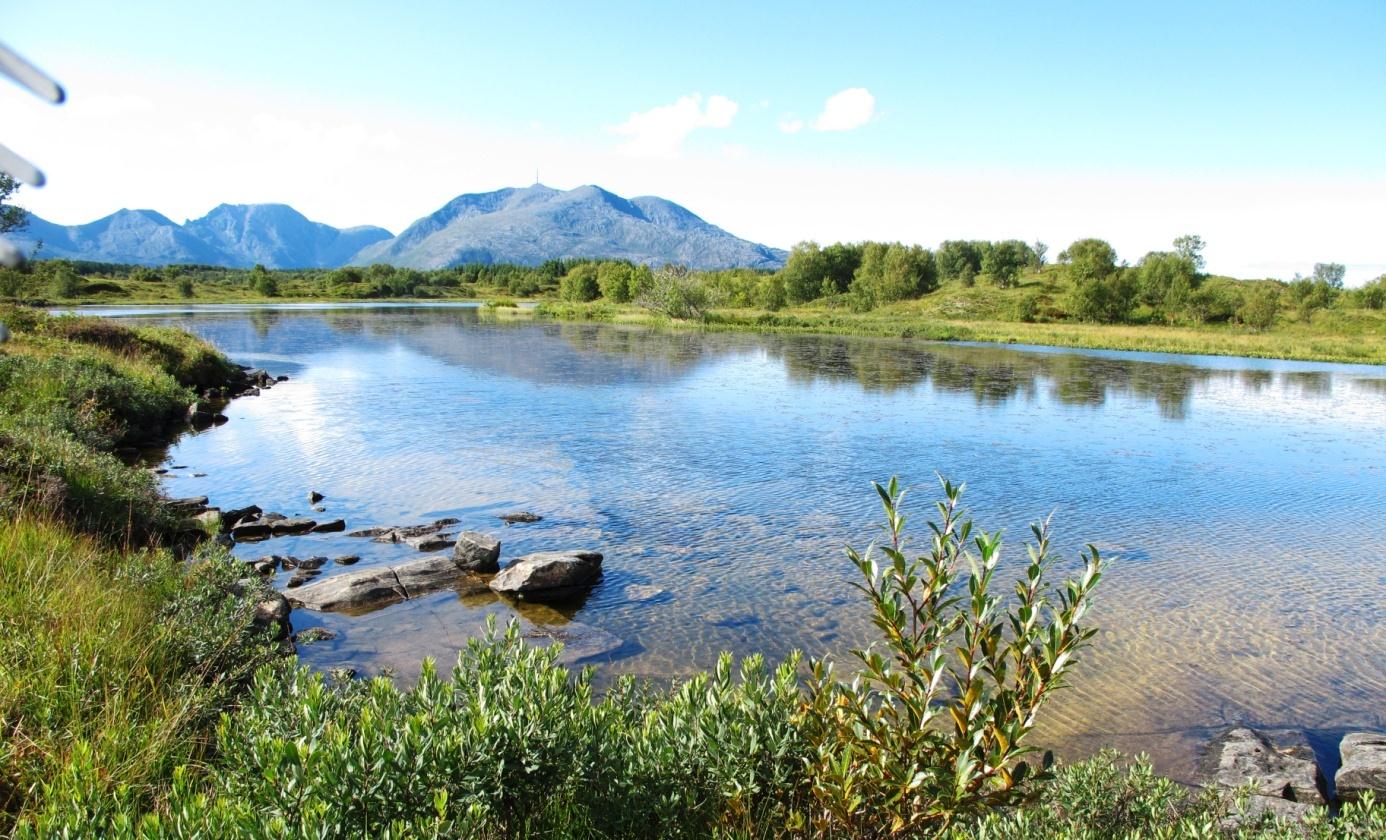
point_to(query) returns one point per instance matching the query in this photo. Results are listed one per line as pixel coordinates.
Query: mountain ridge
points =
(523, 225)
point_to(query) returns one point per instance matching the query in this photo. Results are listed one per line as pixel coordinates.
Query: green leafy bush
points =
(935, 727)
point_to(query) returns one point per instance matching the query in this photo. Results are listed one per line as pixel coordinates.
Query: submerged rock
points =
(519, 517)
(549, 575)
(347, 559)
(314, 497)
(1364, 766)
(427, 574)
(314, 634)
(476, 552)
(430, 542)
(329, 526)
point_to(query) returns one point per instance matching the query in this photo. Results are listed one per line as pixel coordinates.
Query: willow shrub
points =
(935, 725)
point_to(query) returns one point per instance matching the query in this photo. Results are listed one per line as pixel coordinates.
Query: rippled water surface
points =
(1246, 499)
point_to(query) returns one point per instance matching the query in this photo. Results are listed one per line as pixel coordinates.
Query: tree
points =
(185, 286)
(12, 216)
(1164, 281)
(958, 260)
(1190, 248)
(1330, 273)
(65, 282)
(1039, 249)
(1101, 292)
(1373, 295)
(579, 285)
(892, 272)
(614, 281)
(1259, 307)
(803, 272)
(841, 261)
(1089, 259)
(1003, 261)
(263, 282)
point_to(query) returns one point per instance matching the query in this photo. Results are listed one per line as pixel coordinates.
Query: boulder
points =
(1242, 756)
(427, 574)
(272, 516)
(285, 527)
(347, 559)
(314, 497)
(1364, 766)
(476, 552)
(377, 531)
(312, 563)
(329, 526)
(404, 533)
(357, 589)
(250, 531)
(231, 517)
(209, 519)
(190, 506)
(519, 517)
(549, 575)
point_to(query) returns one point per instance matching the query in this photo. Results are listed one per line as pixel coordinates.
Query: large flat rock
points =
(1242, 756)
(1364, 766)
(549, 575)
(354, 590)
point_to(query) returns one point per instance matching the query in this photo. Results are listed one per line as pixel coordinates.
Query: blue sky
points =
(1261, 126)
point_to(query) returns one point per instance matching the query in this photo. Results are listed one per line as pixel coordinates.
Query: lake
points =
(1245, 499)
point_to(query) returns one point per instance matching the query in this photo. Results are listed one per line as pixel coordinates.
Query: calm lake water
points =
(1245, 499)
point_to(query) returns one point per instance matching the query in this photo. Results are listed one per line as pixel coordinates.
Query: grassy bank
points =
(128, 706)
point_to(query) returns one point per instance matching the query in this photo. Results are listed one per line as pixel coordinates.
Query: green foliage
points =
(1259, 306)
(580, 285)
(185, 287)
(890, 273)
(263, 282)
(934, 728)
(959, 260)
(1003, 261)
(1215, 302)
(1165, 280)
(1330, 274)
(12, 216)
(616, 281)
(841, 261)
(804, 272)
(1189, 248)
(63, 281)
(676, 292)
(1373, 294)
(1089, 259)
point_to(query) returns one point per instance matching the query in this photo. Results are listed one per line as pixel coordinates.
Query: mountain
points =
(537, 223)
(525, 226)
(233, 235)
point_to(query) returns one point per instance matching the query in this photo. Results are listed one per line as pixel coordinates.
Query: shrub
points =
(1373, 295)
(675, 292)
(935, 727)
(580, 284)
(614, 280)
(1259, 307)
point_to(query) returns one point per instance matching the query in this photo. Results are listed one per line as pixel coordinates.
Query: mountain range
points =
(524, 226)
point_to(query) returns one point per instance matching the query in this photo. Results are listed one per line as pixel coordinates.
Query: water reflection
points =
(727, 471)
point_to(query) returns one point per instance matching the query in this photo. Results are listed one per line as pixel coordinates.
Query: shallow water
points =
(1245, 499)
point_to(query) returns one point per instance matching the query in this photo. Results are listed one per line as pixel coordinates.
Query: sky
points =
(1260, 126)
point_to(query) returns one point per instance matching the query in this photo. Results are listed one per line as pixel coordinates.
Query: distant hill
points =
(524, 226)
(233, 235)
(533, 224)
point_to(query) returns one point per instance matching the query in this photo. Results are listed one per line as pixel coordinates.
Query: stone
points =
(273, 609)
(209, 519)
(250, 531)
(319, 509)
(1242, 756)
(288, 527)
(264, 567)
(189, 506)
(427, 574)
(519, 517)
(1363, 767)
(404, 533)
(231, 517)
(356, 589)
(314, 497)
(287, 563)
(329, 526)
(347, 560)
(312, 563)
(376, 531)
(272, 516)
(476, 552)
(431, 542)
(640, 593)
(549, 575)
(314, 634)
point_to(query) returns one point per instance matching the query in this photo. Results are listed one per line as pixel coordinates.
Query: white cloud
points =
(791, 124)
(734, 151)
(846, 110)
(660, 132)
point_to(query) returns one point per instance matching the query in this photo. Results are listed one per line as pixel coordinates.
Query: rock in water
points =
(245, 531)
(519, 517)
(427, 574)
(476, 552)
(285, 527)
(353, 590)
(329, 526)
(1242, 756)
(430, 542)
(549, 575)
(1364, 766)
(314, 497)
